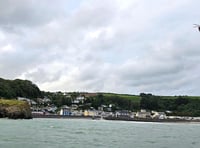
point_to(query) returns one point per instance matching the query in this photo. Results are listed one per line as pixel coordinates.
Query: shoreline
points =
(117, 119)
(65, 117)
(152, 120)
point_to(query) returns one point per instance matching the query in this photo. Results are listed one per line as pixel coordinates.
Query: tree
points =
(149, 101)
(18, 88)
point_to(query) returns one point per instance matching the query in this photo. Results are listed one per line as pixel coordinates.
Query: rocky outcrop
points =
(14, 109)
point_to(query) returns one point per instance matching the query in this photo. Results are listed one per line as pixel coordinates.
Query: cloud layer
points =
(118, 46)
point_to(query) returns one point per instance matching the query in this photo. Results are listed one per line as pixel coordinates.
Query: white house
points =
(158, 115)
(79, 99)
(143, 114)
(74, 107)
(77, 113)
(122, 113)
(65, 110)
(30, 102)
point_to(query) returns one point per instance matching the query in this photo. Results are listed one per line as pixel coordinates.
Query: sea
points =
(86, 133)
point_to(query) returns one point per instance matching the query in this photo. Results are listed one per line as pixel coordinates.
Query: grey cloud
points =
(102, 45)
(27, 13)
(166, 69)
(41, 76)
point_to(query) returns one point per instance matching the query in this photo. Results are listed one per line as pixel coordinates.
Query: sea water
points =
(84, 133)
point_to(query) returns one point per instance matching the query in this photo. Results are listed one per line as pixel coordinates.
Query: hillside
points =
(177, 105)
(18, 88)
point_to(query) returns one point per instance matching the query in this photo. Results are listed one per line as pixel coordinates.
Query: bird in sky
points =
(197, 26)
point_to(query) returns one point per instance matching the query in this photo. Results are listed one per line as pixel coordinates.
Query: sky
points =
(119, 46)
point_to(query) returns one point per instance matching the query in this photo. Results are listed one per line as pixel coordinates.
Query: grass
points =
(11, 102)
(137, 98)
(175, 97)
(134, 98)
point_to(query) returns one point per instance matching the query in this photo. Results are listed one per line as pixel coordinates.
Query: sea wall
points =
(14, 109)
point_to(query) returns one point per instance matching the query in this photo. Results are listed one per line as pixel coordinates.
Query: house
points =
(106, 114)
(79, 99)
(46, 100)
(102, 107)
(77, 113)
(74, 107)
(122, 113)
(105, 108)
(43, 101)
(90, 113)
(30, 102)
(143, 110)
(132, 114)
(158, 115)
(52, 109)
(143, 114)
(65, 110)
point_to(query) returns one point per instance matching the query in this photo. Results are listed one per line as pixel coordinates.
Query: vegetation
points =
(179, 105)
(14, 109)
(123, 101)
(11, 102)
(58, 98)
(18, 88)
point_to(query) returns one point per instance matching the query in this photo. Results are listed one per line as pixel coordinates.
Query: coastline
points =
(152, 120)
(65, 117)
(117, 119)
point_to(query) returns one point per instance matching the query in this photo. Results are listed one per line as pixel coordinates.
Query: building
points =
(77, 113)
(44, 100)
(30, 102)
(122, 113)
(65, 110)
(90, 113)
(143, 114)
(79, 99)
(158, 115)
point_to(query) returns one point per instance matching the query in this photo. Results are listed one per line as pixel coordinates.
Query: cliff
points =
(14, 109)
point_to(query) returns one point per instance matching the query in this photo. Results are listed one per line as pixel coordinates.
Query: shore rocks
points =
(14, 109)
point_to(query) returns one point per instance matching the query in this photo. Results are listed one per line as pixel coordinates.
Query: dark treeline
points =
(117, 102)
(179, 105)
(11, 89)
(58, 98)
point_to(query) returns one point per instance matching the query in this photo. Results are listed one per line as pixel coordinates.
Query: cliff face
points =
(14, 109)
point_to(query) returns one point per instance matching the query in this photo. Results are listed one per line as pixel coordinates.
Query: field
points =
(11, 102)
(134, 98)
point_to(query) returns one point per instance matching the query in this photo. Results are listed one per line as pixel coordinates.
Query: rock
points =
(14, 109)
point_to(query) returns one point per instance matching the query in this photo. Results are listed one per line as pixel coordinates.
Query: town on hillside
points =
(93, 105)
(85, 104)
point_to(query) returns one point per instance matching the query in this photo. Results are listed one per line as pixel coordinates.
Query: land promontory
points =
(14, 109)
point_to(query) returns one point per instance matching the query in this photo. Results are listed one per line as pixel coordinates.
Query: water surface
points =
(82, 133)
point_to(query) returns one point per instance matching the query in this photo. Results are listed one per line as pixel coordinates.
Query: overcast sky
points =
(121, 46)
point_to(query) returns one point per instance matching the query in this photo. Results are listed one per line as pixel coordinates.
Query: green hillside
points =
(18, 88)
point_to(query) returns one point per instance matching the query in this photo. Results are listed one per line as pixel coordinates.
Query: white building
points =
(65, 110)
(143, 114)
(30, 102)
(158, 115)
(79, 99)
